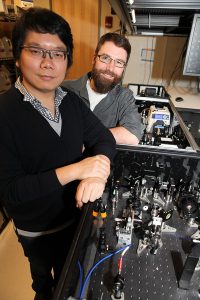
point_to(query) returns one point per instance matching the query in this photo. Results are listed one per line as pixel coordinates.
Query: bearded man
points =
(101, 89)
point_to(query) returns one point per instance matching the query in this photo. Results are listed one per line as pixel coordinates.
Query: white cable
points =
(125, 250)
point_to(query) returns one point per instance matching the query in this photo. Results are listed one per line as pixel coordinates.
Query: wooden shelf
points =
(6, 29)
(6, 58)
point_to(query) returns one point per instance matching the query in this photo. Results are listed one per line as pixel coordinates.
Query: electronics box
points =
(152, 207)
(191, 119)
(162, 125)
(141, 240)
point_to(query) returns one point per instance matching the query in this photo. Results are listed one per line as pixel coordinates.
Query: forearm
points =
(96, 166)
(92, 173)
(124, 136)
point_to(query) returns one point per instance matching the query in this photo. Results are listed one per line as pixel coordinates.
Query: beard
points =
(104, 85)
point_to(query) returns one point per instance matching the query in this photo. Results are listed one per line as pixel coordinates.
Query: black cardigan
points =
(30, 150)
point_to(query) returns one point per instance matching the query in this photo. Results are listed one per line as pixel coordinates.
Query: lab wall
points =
(42, 3)
(156, 60)
(84, 19)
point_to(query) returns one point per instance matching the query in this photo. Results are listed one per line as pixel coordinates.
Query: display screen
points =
(160, 117)
(192, 60)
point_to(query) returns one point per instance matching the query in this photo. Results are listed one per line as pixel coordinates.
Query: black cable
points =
(198, 84)
(181, 57)
(145, 66)
(150, 66)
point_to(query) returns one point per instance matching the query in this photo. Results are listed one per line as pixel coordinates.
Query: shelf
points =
(6, 58)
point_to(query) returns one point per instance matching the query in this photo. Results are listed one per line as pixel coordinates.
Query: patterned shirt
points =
(59, 95)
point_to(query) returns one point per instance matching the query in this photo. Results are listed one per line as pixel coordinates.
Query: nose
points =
(111, 65)
(46, 61)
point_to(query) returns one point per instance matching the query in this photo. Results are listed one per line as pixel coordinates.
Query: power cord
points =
(82, 290)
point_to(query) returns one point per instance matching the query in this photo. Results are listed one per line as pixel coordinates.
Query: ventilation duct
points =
(169, 17)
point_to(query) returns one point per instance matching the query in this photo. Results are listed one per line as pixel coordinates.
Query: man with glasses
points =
(44, 178)
(100, 89)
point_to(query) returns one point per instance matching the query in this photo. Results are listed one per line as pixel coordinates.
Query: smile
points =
(109, 76)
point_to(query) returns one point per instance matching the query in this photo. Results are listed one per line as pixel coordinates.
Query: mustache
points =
(108, 73)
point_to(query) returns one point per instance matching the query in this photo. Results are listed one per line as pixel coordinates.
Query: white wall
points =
(157, 61)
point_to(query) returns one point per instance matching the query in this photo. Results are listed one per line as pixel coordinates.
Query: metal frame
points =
(193, 48)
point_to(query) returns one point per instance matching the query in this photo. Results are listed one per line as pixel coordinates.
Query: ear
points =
(17, 63)
(94, 59)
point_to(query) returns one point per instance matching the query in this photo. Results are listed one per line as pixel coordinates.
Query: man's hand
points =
(95, 166)
(89, 189)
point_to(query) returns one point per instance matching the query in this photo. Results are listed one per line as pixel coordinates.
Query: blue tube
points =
(95, 266)
(80, 277)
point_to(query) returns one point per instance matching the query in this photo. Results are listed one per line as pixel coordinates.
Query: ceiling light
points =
(133, 16)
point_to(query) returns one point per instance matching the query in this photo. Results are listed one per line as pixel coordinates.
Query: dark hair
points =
(41, 20)
(117, 39)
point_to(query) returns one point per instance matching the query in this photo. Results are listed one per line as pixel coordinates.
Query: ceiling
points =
(157, 17)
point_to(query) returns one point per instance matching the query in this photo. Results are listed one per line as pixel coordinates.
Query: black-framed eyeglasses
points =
(57, 55)
(106, 59)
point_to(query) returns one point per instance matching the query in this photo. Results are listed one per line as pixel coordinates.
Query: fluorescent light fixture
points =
(133, 15)
(151, 33)
(131, 2)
